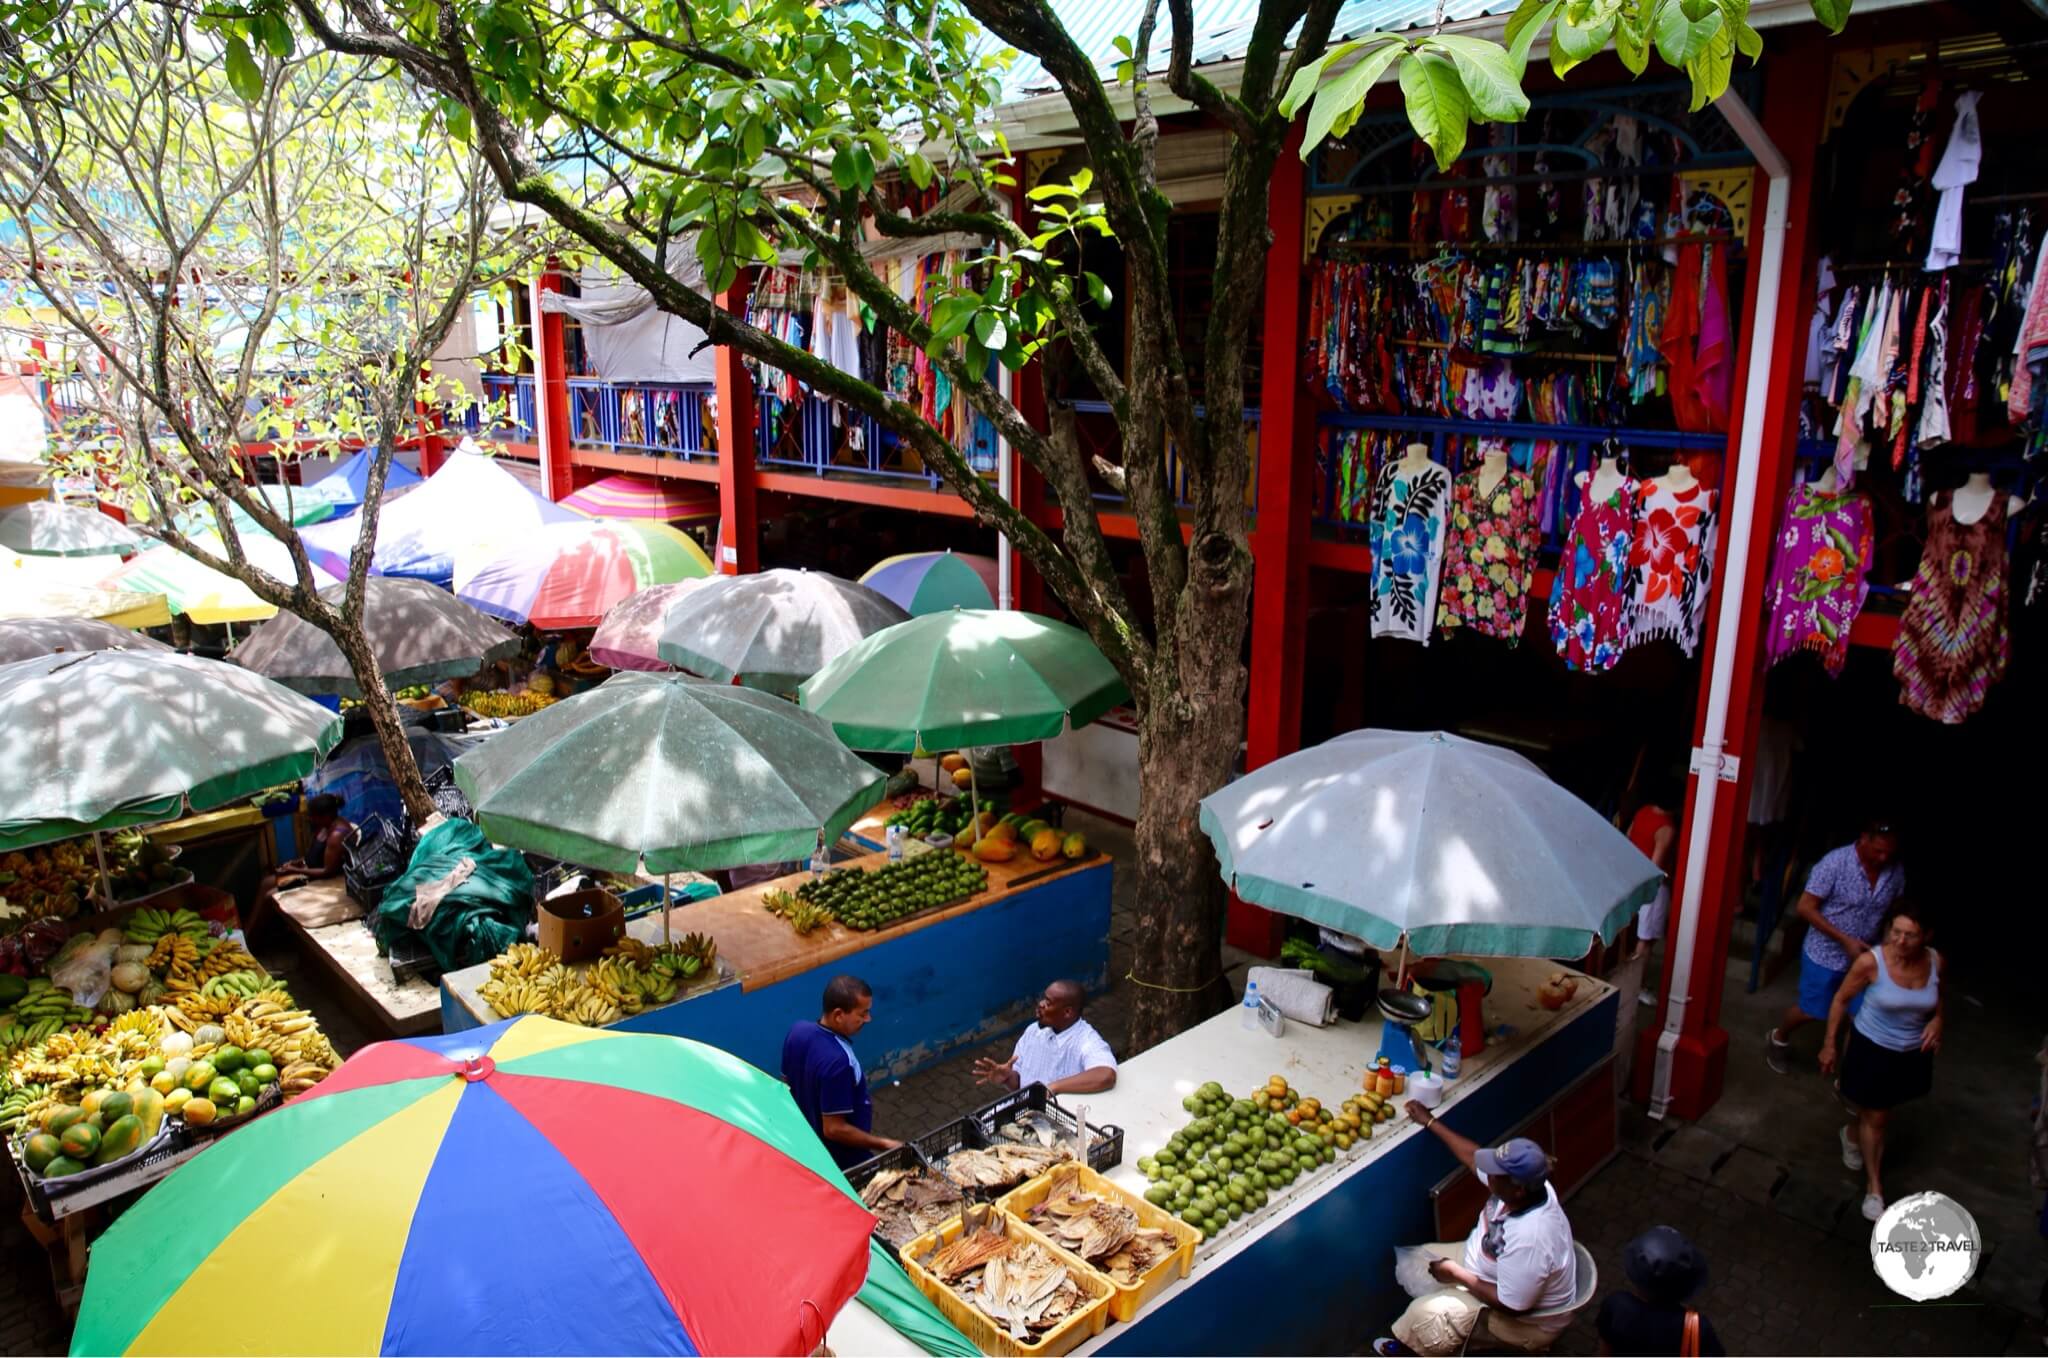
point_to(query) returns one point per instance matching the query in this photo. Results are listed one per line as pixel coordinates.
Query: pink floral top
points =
(1589, 605)
(1489, 555)
(1817, 580)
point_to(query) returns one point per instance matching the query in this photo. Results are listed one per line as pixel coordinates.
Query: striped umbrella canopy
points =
(643, 497)
(27, 638)
(47, 528)
(569, 574)
(204, 594)
(65, 587)
(932, 582)
(629, 638)
(474, 1193)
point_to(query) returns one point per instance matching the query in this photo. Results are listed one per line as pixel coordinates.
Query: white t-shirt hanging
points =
(1407, 535)
(1958, 169)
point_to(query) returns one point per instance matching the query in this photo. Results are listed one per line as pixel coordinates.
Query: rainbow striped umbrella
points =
(528, 1187)
(641, 497)
(569, 574)
(932, 582)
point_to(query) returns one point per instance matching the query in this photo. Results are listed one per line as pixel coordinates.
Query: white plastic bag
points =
(86, 973)
(1411, 1269)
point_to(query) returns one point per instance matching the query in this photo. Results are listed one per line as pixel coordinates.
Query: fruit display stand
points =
(328, 927)
(1318, 1254)
(942, 980)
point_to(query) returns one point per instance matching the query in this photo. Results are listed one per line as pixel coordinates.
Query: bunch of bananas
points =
(506, 704)
(14, 1109)
(76, 1058)
(524, 960)
(630, 977)
(689, 957)
(239, 984)
(634, 951)
(803, 915)
(148, 924)
(190, 1011)
(42, 1010)
(224, 958)
(176, 959)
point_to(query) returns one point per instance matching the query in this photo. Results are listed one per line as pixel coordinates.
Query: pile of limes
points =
(871, 899)
(1225, 1162)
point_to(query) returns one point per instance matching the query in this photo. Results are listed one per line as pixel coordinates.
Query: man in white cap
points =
(1515, 1271)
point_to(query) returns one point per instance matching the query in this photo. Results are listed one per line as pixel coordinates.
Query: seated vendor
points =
(328, 840)
(826, 1079)
(1518, 1267)
(1062, 1051)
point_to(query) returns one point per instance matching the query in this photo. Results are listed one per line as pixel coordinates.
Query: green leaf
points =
(845, 169)
(1045, 193)
(753, 140)
(1570, 44)
(1833, 14)
(1682, 39)
(457, 118)
(919, 169)
(1493, 85)
(1748, 41)
(955, 325)
(1084, 179)
(719, 271)
(1437, 108)
(1121, 44)
(1711, 69)
(1304, 82)
(1346, 94)
(275, 33)
(1523, 29)
(1632, 47)
(1098, 290)
(989, 330)
(243, 76)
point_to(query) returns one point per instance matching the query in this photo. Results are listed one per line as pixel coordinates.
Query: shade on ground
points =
(204, 594)
(567, 575)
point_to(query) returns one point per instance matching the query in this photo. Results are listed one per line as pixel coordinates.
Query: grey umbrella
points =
(48, 528)
(420, 633)
(27, 638)
(773, 630)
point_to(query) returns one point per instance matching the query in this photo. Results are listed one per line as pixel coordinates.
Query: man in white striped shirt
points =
(1062, 1050)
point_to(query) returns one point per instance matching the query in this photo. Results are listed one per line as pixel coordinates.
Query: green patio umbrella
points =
(666, 773)
(105, 739)
(48, 528)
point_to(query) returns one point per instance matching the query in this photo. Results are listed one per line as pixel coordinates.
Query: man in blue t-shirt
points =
(825, 1076)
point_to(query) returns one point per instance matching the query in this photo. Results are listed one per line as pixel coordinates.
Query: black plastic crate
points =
(1106, 1142)
(904, 1156)
(957, 1135)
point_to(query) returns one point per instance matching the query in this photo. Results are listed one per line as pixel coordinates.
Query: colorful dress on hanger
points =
(1953, 644)
(1818, 582)
(1407, 535)
(1671, 564)
(1588, 604)
(1489, 554)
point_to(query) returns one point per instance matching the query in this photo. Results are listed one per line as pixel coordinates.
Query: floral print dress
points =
(1407, 535)
(1953, 643)
(1489, 554)
(1671, 564)
(1818, 582)
(1589, 604)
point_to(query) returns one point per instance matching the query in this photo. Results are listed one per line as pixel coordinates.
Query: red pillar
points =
(1280, 539)
(739, 529)
(431, 430)
(1793, 112)
(551, 394)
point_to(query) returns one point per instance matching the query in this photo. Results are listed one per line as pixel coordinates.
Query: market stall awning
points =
(1460, 847)
(468, 1194)
(774, 629)
(106, 739)
(419, 632)
(566, 575)
(629, 638)
(67, 587)
(349, 482)
(27, 638)
(49, 528)
(642, 497)
(204, 594)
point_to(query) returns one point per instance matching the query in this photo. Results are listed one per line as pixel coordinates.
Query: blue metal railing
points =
(1455, 442)
(1109, 445)
(660, 419)
(804, 436)
(497, 387)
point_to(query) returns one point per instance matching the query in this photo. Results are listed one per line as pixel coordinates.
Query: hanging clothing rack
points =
(1590, 247)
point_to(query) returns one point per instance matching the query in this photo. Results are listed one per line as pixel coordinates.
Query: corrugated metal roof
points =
(1222, 30)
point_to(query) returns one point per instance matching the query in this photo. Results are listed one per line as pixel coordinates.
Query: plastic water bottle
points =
(820, 858)
(1454, 1057)
(895, 841)
(1248, 1012)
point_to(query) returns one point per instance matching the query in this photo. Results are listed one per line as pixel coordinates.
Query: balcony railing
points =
(825, 439)
(660, 419)
(498, 387)
(1098, 435)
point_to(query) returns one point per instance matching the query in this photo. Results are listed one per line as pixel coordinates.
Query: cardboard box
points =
(581, 924)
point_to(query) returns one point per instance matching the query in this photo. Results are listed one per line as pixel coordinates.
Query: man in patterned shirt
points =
(1846, 897)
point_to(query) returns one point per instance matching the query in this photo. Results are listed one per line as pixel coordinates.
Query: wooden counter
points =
(331, 933)
(948, 978)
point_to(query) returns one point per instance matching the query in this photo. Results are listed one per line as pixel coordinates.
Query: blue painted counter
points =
(957, 977)
(1312, 1272)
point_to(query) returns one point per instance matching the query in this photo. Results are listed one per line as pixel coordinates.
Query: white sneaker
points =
(1852, 1154)
(1873, 1206)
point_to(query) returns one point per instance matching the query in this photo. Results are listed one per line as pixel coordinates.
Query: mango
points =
(1074, 847)
(989, 849)
(963, 779)
(1045, 845)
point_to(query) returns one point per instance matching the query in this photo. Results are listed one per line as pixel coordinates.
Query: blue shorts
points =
(1817, 987)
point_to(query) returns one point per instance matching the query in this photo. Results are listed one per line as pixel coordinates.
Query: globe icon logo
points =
(1925, 1247)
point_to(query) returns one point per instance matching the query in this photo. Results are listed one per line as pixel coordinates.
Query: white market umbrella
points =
(1448, 844)
(49, 528)
(772, 630)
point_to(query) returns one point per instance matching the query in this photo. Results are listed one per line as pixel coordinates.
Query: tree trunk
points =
(383, 710)
(1185, 752)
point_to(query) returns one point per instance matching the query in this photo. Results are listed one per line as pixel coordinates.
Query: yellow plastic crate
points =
(1125, 1302)
(982, 1331)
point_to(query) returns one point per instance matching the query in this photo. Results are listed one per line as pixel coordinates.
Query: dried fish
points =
(966, 1254)
(1100, 1229)
(1030, 1127)
(910, 1202)
(1001, 1166)
(1026, 1289)
(1139, 1256)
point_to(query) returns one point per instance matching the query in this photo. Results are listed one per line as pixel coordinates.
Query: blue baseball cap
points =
(1519, 1158)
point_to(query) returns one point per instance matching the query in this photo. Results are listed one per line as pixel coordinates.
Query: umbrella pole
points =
(666, 906)
(99, 852)
(974, 796)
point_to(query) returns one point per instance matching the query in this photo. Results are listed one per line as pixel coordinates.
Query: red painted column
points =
(739, 528)
(1280, 540)
(551, 394)
(1792, 113)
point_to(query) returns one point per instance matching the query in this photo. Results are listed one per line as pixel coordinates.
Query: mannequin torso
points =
(1973, 499)
(1603, 480)
(1493, 469)
(1414, 460)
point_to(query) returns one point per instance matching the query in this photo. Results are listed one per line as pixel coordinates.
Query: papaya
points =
(62, 1166)
(963, 779)
(123, 1137)
(61, 1117)
(39, 1150)
(1074, 847)
(1045, 845)
(149, 1106)
(953, 763)
(1027, 831)
(989, 849)
(116, 1106)
(91, 1102)
(1004, 831)
(80, 1141)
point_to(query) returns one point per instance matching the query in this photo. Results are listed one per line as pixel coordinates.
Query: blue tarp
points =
(344, 486)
